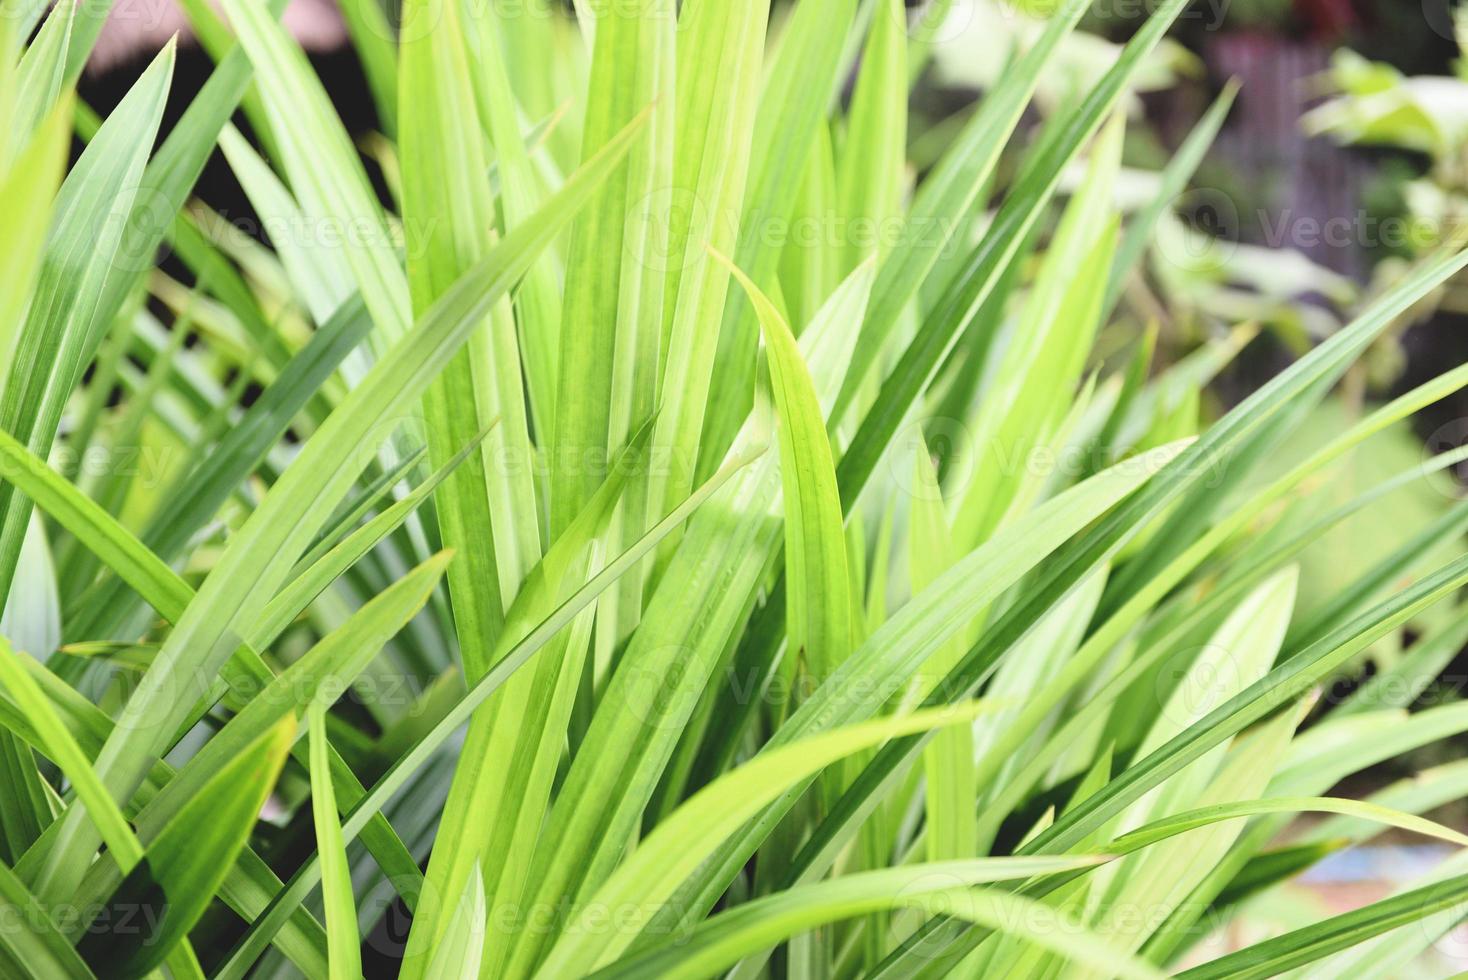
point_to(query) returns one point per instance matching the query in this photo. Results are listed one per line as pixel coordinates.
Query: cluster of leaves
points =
(664, 538)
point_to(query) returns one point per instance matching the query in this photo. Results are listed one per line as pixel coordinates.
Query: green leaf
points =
(285, 901)
(599, 280)
(185, 864)
(790, 139)
(39, 946)
(872, 161)
(207, 486)
(322, 166)
(679, 843)
(30, 182)
(721, 46)
(883, 665)
(1295, 676)
(459, 952)
(170, 595)
(729, 936)
(949, 191)
(61, 332)
(1220, 441)
(63, 326)
(971, 284)
(948, 764)
(504, 328)
(1110, 632)
(1304, 946)
(815, 540)
(323, 673)
(1202, 818)
(39, 79)
(449, 216)
(326, 670)
(245, 889)
(336, 877)
(1039, 924)
(260, 557)
(1188, 820)
(538, 301)
(707, 590)
(1041, 365)
(1393, 952)
(322, 278)
(504, 780)
(62, 749)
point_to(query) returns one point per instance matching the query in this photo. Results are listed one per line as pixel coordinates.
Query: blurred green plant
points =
(1373, 104)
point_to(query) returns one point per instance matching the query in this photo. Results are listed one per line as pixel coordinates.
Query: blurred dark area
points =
(339, 70)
